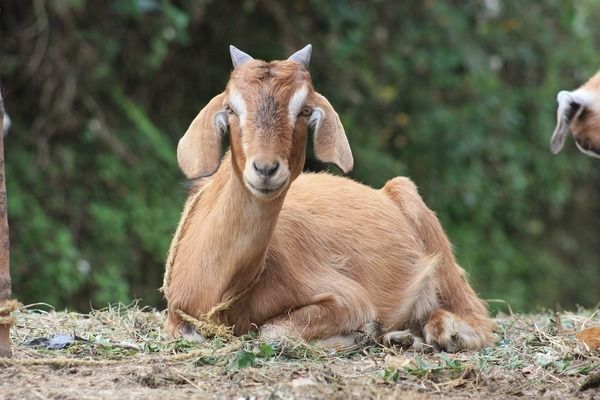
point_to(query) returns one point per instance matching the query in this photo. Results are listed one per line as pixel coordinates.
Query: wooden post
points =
(6, 305)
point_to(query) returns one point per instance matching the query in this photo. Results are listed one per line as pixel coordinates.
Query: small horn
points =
(302, 56)
(238, 57)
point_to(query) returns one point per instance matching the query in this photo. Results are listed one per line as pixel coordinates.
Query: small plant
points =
(245, 358)
(266, 350)
(390, 375)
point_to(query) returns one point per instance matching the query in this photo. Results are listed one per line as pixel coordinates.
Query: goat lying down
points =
(338, 256)
(579, 113)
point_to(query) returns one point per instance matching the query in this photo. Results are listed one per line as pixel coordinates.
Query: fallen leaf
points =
(60, 342)
(38, 342)
(590, 337)
(56, 342)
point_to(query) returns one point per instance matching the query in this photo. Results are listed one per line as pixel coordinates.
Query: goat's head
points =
(268, 109)
(579, 113)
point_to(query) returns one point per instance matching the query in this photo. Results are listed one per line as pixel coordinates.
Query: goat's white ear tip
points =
(563, 95)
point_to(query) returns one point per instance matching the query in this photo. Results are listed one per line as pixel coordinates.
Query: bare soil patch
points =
(120, 353)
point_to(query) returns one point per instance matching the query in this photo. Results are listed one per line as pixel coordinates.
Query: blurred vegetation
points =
(458, 95)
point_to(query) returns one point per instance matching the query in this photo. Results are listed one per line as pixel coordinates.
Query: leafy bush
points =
(457, 95)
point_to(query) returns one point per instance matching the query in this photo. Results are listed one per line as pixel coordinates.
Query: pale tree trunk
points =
(5, 286)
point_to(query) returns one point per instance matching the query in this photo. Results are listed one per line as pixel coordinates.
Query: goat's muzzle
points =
(266, 179)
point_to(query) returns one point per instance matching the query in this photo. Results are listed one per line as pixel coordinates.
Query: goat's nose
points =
(266, 169)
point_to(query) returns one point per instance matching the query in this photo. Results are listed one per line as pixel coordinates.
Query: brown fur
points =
(337, 255)
(584, 123)
(586, 127)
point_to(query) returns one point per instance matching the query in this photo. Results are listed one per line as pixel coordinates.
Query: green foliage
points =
(266, 350)
(243, 359)
(247, 356)
(390, 375)
(459, 98)
(442, 367)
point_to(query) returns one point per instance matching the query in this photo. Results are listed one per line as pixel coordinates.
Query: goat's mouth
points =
(267, 190)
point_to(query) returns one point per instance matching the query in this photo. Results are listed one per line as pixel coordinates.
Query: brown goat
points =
(338, 256)
(579, 112)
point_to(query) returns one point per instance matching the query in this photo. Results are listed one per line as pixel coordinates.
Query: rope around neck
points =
(207, 325)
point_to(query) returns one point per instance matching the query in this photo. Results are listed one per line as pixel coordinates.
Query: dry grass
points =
(125, 356)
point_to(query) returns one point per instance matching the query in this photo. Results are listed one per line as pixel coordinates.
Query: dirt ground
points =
(119, 353)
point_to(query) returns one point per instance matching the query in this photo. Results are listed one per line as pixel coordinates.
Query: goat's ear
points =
(199, 150)
(330, 141)
(570, 105)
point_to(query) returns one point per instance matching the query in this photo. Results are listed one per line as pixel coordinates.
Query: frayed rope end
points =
(6, 308)
(207, 328)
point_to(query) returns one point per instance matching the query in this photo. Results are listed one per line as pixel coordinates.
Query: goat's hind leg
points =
(451, 315)
(330, 320)
(451, 332)
(445, 330)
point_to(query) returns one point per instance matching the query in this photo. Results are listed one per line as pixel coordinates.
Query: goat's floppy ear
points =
(570, 105)
(199, 150)
(330, 141)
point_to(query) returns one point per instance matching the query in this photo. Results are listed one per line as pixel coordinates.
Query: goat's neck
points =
(235, 229)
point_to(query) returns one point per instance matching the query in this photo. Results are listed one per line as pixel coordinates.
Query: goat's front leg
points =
(331, 319)
(174, 327)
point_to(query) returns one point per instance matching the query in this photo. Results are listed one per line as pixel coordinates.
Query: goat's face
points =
(268, 109)
(579, 113)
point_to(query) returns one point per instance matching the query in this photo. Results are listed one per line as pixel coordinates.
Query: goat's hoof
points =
(451, 333)
(453, 345)
(371, 329)
(188, 332)
(403, 339)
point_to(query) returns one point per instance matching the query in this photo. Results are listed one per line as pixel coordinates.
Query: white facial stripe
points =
(296, 103)
(239, 105)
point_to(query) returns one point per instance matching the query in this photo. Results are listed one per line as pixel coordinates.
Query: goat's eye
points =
(229, 109)
(306, 111)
